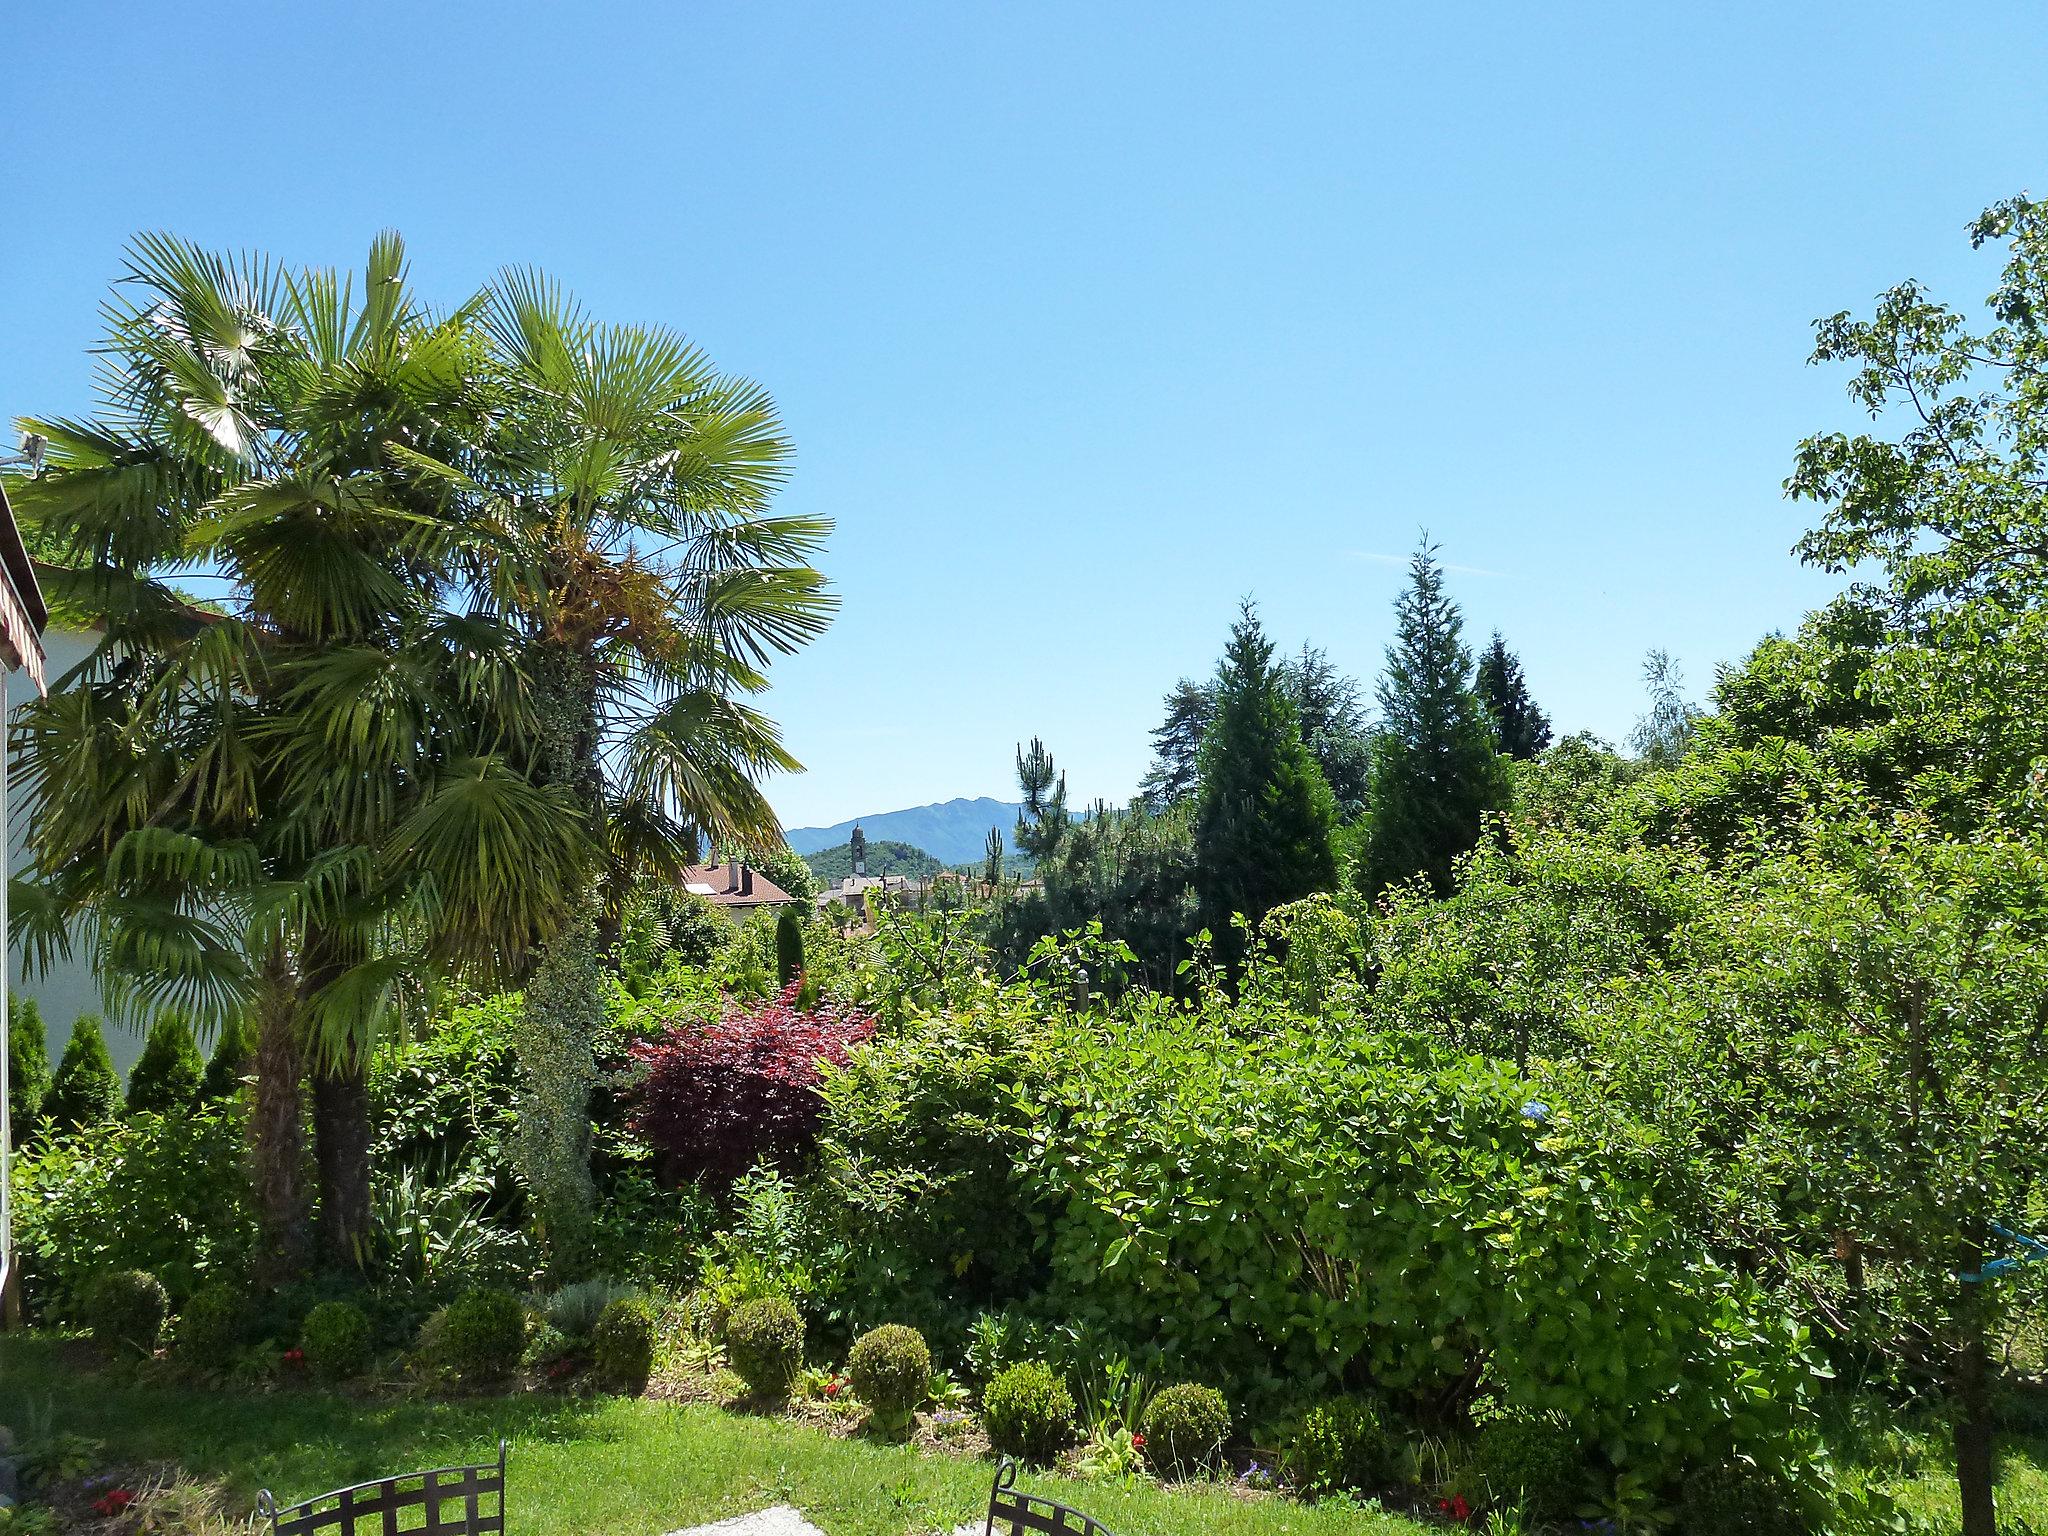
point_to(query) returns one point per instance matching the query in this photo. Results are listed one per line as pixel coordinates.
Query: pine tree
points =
(1177, 745)
(28, 1067)
(789, 946)
(1264, 815)
(1042, 825)
(85, 1090)
(1521, 729)
(233, 1058)
(992, 860)
(1435, 771)
(168, 1074)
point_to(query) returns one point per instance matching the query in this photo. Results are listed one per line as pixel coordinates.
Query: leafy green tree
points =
(1175, 773)
(1435, 772)
(168, 1074)
(85, 1090)
(28, 1067)
(1665, 730)
(1521, 729)
(233, 1057)
(789, 870)
(789, 946)
(1265, 817)
(1042, 823)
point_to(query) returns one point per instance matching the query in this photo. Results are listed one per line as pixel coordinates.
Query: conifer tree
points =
(1177, 745)
(1042, 824)
(28, 1067)
(992, 860)
(1435, 771)
(85, 1090)
(168, 1074)
(789, 946)
(1264, 817)
(233, 1058)
(1521, 729)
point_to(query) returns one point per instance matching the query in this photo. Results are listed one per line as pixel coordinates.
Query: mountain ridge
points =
(951, 831)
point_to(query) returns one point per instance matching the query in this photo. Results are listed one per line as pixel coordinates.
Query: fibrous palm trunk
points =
(277, 1131)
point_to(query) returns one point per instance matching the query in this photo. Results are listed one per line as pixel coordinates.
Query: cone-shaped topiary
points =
(233, 1058)
(1184, 1429)
(85, 1090)
(28, 1067)
(168, 1073)
(891, 1371)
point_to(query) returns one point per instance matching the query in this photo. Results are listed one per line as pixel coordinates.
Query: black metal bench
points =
(1020, 1514)
(384, 1500)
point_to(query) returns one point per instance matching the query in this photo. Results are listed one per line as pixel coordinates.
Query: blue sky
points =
(1089, 319)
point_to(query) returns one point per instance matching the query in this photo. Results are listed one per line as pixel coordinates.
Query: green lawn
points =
(622, 1467)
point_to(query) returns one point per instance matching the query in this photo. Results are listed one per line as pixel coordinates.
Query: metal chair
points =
(383, 1500)
(1024, 1513)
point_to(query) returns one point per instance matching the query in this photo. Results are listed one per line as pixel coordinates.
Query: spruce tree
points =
(1264, 816)
(789, 946)
(1521, 729)
(28, 1067)
(85, 1090)
(234, 1051)
(1435, 771)
(168, 1074)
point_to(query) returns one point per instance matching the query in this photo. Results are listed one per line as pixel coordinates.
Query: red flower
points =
(1138, 1442)
(835, 1386)
(295, 1357)
(1456, 1507)
(112, 1502)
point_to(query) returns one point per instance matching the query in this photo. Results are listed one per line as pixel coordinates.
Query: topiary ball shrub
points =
(1340, 1445)
(891, 1371)
(764, 1342)
(1533, 1460)
(480, 1335)
(1735, 1498)
(211, 1326)
(622, 1345)
(336, 1340)
(1184, 1429)
(1028, 1412)
(124, 1308)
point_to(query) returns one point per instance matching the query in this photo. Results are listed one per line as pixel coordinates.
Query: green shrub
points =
(575, 1310)
(789, 946)
(28, 1067)
(1736, 1498)
(1338, 1446)
(211, 1325)
(168, 1074)
(1184, 1429)
(233, 1058)
(891, 1371)
(336, 1340)
(1535, 1461)
(85, 1090)
(124, 1308)
(479, 1336)
(622, 1344)
(764, 1342)
(1028, 1412)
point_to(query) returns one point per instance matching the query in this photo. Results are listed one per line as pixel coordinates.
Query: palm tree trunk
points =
(341, 1121)
(277, 1130)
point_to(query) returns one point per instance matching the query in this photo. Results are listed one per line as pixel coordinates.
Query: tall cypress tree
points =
(28, 1067)
(1521, 729)
(85, 1090)
(1265, 815)
(233, 1058)
(1435, 771)
(168, 1074)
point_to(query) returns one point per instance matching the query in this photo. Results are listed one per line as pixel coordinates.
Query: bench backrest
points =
(1014, 1513)
(451, 1501)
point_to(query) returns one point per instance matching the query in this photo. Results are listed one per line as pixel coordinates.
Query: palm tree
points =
(304, 799)
(653, 588)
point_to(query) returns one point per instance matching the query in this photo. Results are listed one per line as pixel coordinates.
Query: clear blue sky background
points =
(1088, 319)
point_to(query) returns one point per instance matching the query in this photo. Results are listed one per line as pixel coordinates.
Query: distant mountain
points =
(885, 857)
(953, 833)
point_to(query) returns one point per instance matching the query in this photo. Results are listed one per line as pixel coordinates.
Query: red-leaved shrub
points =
(716, 1098)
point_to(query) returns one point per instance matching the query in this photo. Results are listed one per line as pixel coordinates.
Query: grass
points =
(612, 1465)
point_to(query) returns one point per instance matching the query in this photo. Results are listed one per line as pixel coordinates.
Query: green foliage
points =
(124, 1309)
(161, 1193)
(1042, 818)
(666, 927)
(891, 1371)
(336, 1339)
(622, 1344)
(793, 873)
(555, 1044)
(1265, 816)
(85, 1090)
(233, 1058)
(1028, 1412)
(433, 1233)
(1185, 1427)
(479, 1336)
(1435, 769)
(1340, 1445)
(1664, 731)
(1529, 1461)
(28, 1067)
(789, 946)
(764, 1343)
(213, 1323)
(1520, 729)
(573, 1310)
(829, 866)
(169, 1073)
(1737, 1498)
